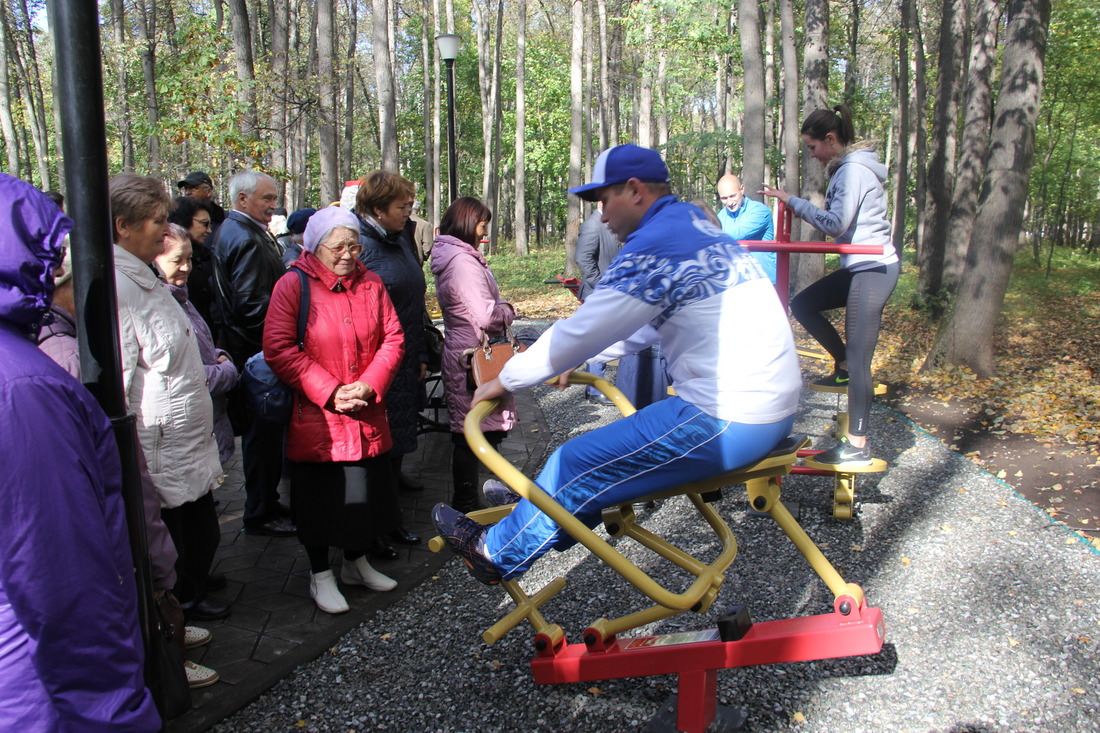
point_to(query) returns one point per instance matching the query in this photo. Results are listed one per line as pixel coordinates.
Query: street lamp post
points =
(448, 44)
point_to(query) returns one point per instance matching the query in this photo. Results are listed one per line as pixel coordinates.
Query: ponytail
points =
(837, 120)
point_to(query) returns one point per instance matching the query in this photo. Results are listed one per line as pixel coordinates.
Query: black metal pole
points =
(452, 163)
(74, 25)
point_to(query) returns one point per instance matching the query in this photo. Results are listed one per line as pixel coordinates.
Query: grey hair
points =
(246, 182)
(177, 232)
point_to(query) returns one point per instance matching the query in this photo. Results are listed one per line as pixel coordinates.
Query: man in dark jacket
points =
(596, 247)
(71, 657)
(247, 264)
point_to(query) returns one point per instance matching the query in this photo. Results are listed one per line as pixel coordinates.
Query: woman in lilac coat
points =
(471, 304)
(176, 266)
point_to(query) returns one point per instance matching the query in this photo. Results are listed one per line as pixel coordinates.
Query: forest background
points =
(986, 112)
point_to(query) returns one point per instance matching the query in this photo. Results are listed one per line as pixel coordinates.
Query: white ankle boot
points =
(361, 573)
(323, 590)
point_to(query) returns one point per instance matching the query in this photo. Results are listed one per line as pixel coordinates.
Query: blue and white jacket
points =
(681, 281)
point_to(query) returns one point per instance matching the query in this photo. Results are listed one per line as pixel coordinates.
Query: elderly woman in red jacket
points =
(338, 435)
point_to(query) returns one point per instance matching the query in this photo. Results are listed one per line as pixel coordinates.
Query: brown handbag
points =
(486, 360)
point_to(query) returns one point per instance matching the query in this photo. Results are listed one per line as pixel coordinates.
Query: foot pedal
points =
(735, 624)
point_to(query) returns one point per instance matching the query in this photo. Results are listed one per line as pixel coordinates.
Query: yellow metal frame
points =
(761, 481)
(844, 481)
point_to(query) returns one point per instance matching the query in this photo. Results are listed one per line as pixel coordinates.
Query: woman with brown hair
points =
(471, 304)
(383, 203)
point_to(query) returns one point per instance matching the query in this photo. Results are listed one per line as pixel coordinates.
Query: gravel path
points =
(991, 615)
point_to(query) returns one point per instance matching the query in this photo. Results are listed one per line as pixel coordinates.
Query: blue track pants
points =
(669, 443)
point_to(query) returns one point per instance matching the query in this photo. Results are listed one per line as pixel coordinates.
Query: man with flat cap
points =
(200, 187)
(680, 282)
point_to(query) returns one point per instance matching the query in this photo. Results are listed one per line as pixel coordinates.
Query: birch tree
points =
(966, 336)
(520, 227)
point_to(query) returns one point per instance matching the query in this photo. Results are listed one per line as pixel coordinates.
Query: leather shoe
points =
(403, 536)
(208, 609)
(600, 399)
(407, 484)
(383, 551)
(273, 528)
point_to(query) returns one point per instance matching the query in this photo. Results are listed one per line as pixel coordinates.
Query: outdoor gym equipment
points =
(844, 477)
(853, 628)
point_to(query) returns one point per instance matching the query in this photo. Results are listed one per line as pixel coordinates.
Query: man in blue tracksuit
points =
(680, 282)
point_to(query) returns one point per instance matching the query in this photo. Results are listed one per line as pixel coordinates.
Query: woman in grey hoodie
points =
(855, 212)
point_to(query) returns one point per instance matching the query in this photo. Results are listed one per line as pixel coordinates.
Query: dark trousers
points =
(195, 532)
(863, 295)
(466, 468)
(262, 456)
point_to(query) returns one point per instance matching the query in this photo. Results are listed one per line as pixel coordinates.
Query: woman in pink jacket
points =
(471, 304)
(338, 434)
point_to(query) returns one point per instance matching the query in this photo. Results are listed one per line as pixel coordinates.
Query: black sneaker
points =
(844, 453)
(497, 493)
(839, 378)
(466, 538)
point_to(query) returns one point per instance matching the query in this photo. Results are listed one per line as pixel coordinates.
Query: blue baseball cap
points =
(621, 163)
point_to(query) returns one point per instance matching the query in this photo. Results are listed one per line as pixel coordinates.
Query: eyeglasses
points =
(341, 249)
(204, 222)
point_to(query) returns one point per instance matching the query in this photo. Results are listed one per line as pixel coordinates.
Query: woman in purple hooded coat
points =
(71, 657)
(471, 304)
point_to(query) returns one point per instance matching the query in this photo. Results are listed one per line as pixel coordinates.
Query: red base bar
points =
(772, 642)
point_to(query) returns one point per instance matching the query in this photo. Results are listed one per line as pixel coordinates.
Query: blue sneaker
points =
(497, 493)
(466, 538)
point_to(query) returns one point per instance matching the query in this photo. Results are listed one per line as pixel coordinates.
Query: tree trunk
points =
(493, 199)
(605, 83)
(347, 168)
(437, 181)
(979, 103)
(851, 75)
(576, 130)
(662, 97)
(966, 337)
(11, 140)
(941, 164)
(792, 140)
(147, 32)
(752, 63)
(383, 75)
(34, 80)
(326, 122)
(918, 142)
(615, 65)
(769, 85)
(427, 199)
(246, 70)
(815, 95)
(901, 176)
(485, 89)
(280, 49)
(521, 129)
(26, 90)
(645, 102)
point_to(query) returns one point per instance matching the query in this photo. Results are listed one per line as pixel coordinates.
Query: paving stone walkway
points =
(275, 626)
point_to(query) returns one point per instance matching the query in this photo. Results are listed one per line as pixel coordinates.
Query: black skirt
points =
(345, 504)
